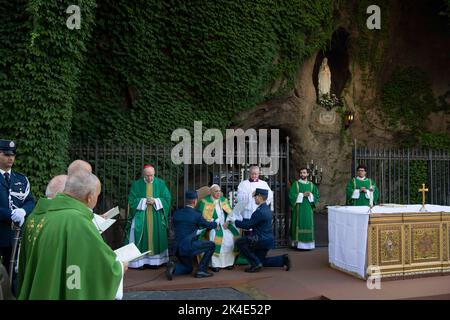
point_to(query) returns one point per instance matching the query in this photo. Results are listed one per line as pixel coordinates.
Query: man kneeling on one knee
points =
(256, 246)
(187, 222)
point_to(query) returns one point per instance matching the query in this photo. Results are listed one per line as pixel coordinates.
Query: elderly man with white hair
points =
(215, 207)
(245, 203)
(68, 257)
(149, 201)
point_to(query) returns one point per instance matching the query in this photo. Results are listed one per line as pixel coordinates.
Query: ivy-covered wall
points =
(407, 98)
(136, 70)
(40, 63)
(155, 66)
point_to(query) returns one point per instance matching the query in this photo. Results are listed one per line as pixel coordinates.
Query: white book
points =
(129, 253)
(101, 223)
(111, 213)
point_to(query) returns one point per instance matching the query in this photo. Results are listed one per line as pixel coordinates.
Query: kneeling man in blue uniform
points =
(256, 246)
(187, 222)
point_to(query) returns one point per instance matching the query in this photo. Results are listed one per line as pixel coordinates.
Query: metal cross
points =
(423, 190)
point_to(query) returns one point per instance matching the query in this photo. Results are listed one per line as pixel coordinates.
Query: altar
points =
(389, 240)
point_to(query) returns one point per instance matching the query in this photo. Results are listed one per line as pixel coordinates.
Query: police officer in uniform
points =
(187, 222)
(16, 200)
(255, 247)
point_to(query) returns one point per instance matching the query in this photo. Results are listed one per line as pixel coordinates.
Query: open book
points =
(111, 213)
(129, 253)
(104, 222)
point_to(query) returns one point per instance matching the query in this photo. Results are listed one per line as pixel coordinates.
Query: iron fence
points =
(399, 173)
(118, 165)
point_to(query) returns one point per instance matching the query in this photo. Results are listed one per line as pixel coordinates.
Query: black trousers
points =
(256, 253)
(198, 247)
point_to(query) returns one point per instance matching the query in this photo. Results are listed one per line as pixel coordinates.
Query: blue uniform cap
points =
(263, 192)
(191, 195)
(8, 147)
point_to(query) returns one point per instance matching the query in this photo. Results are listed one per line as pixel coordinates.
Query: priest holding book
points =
(149, 204)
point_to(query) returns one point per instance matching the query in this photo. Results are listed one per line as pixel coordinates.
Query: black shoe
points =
(203, 274)
(170, 268)
(215, 269)
(230, 268)
(286, 262)
(256, 268)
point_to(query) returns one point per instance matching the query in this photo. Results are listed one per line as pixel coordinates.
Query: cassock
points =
(217, 210)
(67, 257)
(147, 226)
(357, 198)
(302, 221)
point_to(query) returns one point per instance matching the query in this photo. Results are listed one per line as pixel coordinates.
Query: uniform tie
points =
(6, 175)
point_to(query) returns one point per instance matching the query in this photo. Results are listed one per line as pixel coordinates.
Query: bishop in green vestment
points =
(148, 221)
(68, 258)
(361, 191)
(303, 197)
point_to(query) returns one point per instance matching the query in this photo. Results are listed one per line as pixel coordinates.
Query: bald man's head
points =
(78, 165)
(56, 185)
(83, 186)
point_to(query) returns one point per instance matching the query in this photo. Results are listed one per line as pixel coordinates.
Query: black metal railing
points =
(399, 173)
(118, 165)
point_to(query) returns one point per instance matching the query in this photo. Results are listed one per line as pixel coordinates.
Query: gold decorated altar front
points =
(393, 241)
(409, 244)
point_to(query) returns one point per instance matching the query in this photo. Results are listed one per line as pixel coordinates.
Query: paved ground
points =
(197, 294)
(310, 278)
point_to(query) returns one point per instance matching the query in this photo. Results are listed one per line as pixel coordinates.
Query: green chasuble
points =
(69, 259)
(302, 221)
(208, 209)
(33, 223)
(150, 225)
(362, 200)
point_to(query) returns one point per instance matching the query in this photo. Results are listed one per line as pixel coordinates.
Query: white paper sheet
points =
(129, 253)
(111, 213)
(101, 223)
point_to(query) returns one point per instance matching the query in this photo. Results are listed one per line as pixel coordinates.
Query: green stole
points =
(208, 209)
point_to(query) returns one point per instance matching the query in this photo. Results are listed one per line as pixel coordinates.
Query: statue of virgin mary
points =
(324, 79)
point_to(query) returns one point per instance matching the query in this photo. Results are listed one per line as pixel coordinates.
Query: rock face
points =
(318, 134)
(314, 132)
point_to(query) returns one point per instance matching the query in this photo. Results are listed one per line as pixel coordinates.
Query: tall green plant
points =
(155, 66)
(40, 63)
